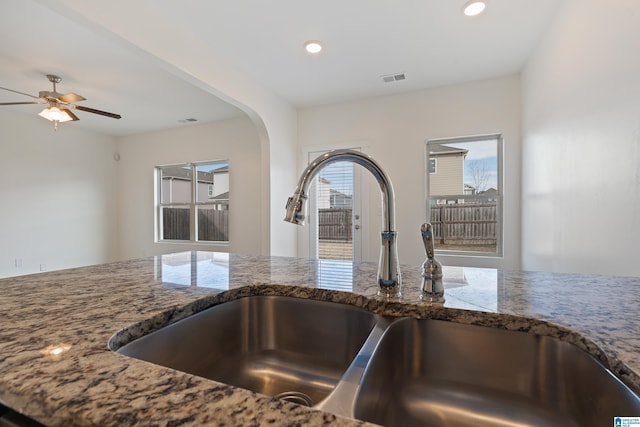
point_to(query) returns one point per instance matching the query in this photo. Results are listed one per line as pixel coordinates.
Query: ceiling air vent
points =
(389, 78)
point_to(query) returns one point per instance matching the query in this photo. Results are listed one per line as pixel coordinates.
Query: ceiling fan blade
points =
(21, 93)
(70, 98)
(93, 110)
(19, 103)
(73, 116)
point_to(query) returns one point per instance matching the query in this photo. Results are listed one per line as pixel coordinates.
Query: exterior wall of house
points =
(179, 190)
(323, 193)
(176, 190)
(220, 184)
(341, 201)
(449, 176)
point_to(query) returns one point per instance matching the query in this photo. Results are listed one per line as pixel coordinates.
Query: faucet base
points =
(389, 291)
(432, 298)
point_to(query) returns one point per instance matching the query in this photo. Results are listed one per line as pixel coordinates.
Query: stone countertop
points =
(56, 366)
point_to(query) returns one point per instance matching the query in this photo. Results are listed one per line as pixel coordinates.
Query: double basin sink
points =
(390, 371)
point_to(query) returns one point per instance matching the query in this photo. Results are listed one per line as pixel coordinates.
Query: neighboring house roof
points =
(184, 174)
(176, 172)
(179, 172)
(338, 193)
(221, 196)
(489, 192)
(436, 149)
(224, 169)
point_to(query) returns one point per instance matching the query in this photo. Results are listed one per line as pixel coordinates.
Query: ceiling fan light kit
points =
(58, 110)
(56, 115)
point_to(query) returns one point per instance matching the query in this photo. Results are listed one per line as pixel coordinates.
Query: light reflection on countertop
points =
(472, 288)
(211, 270)
(199, 269)
(335, 275)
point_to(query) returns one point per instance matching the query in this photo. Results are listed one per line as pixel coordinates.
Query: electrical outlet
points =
(43, 267)
(18, 262)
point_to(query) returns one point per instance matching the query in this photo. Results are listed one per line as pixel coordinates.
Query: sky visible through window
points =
(208, 167)
(481, 163)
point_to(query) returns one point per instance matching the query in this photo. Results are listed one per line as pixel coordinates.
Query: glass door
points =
(334, 212)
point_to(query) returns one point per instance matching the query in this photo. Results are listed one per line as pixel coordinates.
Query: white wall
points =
(581, 149)
(189, 58)
(394, 130)
(235, 140)
(58, 192)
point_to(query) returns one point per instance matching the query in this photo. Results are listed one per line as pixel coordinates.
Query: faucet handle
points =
(427, 239)
(432, 287)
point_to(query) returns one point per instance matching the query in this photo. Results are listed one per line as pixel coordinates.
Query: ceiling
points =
(430, 41)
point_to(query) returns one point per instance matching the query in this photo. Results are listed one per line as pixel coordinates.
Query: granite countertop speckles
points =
(56, 328)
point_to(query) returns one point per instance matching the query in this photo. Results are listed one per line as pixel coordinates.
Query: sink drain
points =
(295, 397)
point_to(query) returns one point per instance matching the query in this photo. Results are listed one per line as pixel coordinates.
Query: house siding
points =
(449, 176)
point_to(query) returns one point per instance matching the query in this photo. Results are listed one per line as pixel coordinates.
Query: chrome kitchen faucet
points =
(389, 281)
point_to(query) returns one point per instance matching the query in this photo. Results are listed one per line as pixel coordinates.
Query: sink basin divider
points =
(341, 400)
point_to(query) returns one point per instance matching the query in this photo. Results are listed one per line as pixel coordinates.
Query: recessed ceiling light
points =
(313, 46)
(474, 7)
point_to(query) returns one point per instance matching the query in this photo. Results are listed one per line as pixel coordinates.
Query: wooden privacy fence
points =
(213, 225)
(334, 224)
(465, 223)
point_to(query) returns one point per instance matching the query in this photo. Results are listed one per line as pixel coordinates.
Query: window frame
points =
(499, 196)
(193, 205)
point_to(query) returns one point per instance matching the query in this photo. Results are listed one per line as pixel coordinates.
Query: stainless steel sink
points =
(390, 371)
(296, 349)
(435, 373)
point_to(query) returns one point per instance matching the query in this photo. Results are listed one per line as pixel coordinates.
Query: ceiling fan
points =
(59, 105)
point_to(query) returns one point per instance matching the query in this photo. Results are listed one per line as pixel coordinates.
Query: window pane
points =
(213, 222)
(176, 184)
(175, 223)
(335, 211)
(213, 181)
(464, 194)
(469, 226)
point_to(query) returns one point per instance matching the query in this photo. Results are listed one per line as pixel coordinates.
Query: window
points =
(464, 197)
(432, 165)
(193, 202)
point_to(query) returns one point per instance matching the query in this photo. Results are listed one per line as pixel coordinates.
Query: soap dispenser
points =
(432, 287)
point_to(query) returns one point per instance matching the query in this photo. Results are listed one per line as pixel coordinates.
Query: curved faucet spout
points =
(389, 280)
